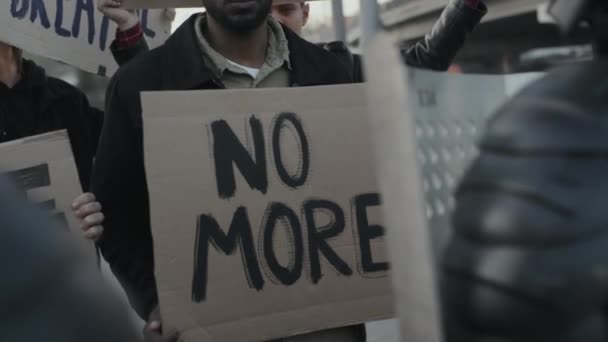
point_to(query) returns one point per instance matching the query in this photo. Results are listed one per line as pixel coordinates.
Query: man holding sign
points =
(235, 45)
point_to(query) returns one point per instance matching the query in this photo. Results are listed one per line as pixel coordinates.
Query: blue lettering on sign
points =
(62, 32)
(19, 13)
(144, 24)
(37, 11)
(84, 5)
(103, 33)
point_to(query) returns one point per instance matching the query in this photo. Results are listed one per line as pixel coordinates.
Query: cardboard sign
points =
(181, 3)
(265, 212)
(71, 31)
(43, 166)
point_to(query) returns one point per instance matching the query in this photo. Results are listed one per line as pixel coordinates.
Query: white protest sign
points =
(265, 212)
(43, 167)
(71, 31)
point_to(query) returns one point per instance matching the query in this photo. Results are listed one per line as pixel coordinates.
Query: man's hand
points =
(88, 211)
(125, 19)
(153, 332)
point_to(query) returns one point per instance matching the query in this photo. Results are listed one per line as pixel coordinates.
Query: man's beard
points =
(239, 22)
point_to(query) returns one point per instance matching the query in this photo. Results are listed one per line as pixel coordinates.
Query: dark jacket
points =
(119, 179)
(438, 48)
(39, 104)
(123, 55)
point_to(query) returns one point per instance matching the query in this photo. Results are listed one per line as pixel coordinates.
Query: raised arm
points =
(439, 47)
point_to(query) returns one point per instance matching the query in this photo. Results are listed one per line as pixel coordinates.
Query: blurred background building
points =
(516, 36)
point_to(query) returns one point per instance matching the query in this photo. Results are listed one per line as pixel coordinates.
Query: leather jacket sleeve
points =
(528, 259)
(123, 55)
(439, 47)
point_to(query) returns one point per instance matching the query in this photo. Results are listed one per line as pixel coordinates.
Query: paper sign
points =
(71, 31)
(181, 3)
(265, 212)
(43, 167)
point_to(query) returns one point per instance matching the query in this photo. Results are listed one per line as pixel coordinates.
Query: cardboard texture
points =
(43, 166)
(71, 31)
(276, 271)
(181, 3)
(409, 243)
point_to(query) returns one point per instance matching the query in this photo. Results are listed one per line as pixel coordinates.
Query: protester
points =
(130, 39)
(292, 14)
(32, 103)
(436, 51)
(235, 45)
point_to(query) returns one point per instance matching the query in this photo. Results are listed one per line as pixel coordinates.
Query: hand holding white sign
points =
(124, 18)
(88, 211)
(74, 32)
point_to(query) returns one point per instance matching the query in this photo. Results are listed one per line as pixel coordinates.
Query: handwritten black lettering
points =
(208, 231)
(368, 232)
(228, 150)
(318, 236)
(278, 212)
(35, 177)
(292, 122)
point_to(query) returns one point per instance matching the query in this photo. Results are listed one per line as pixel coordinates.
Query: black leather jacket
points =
(529, 259)
(438, 48)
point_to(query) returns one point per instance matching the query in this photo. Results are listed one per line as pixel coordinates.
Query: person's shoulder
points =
(305, 48)
(144, 72)
(335, 47)
(318, 59)
(563, 80)
(60, 89)
(561, 109)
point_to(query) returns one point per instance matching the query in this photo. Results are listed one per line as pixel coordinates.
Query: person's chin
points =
(243, 6)
(243, 21)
